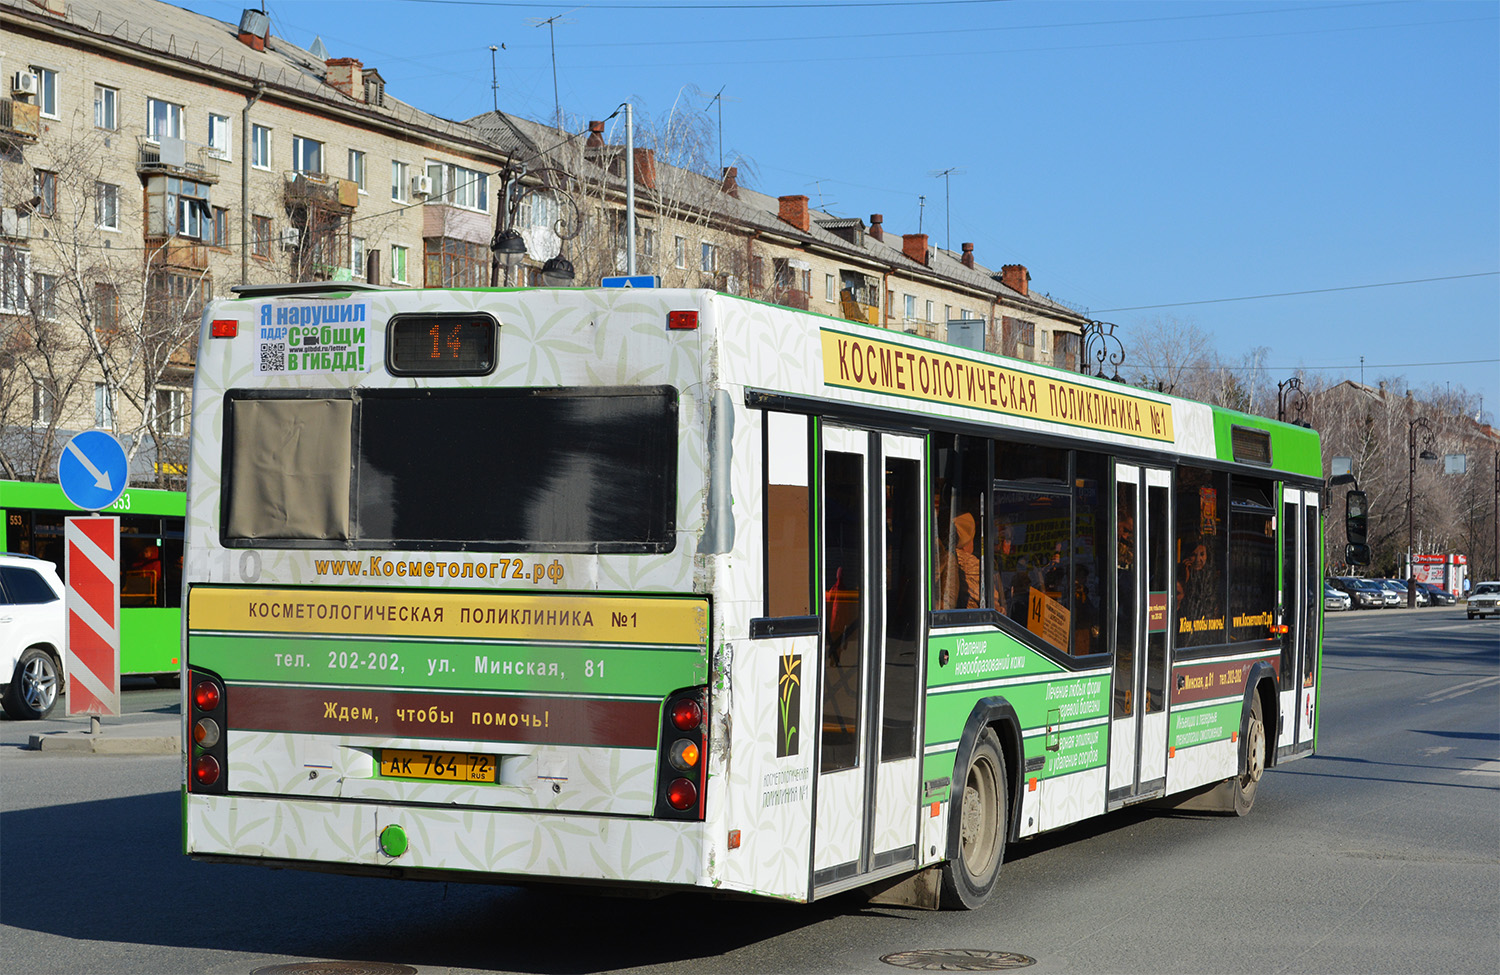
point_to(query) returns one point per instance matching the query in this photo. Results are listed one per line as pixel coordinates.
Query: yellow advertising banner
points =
(873, 365)
(495, 616)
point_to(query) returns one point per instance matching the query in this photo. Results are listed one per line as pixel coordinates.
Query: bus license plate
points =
(437, 766)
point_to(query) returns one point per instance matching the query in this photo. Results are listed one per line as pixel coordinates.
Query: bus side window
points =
(962, 469)
(788, 500)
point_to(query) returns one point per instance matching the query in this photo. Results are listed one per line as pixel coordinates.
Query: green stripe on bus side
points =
(1037, 705)
(50, 497)
(420, 664)
(150, 640)
(1199, 726)
(1293, 449)
(982, 656)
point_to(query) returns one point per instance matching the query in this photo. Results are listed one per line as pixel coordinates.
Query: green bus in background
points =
(150, 563)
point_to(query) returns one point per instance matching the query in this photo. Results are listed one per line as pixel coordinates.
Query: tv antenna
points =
(550, 23)
(921, 209)
(719, 97)
(494, 80)
(947, 212)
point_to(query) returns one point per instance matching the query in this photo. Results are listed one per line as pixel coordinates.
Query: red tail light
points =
(206, 770)
(686, 715)
(682, 794)
(206, 695)
(224, 328)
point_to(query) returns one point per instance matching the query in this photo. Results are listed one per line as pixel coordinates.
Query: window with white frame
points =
(106, 108)
(400, 181)
(357, 256)
(681, 253)
(260, 147)
(467, 188)
(15, 268)
(708, 258)
(219, 142)
(929, 311)
(171, 409)
(307, 155)
(357, 168)
(44, 296)
(43, 403)
(163, 120)
(46, 80)
(398, 264)
(104, 406)
(909, 306)
(830, 288)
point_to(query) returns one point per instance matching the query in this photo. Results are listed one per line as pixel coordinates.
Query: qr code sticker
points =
(272, 358)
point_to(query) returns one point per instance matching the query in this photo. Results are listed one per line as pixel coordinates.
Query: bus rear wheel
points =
(1248, 781)
(969, 875)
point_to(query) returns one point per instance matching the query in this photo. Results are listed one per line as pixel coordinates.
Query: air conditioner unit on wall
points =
(291, 238)
(23, 83)
(421, 185)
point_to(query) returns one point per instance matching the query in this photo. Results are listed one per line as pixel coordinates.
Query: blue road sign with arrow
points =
(92, 470)
(631, 281)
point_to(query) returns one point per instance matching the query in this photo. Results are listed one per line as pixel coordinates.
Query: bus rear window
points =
(547, 470)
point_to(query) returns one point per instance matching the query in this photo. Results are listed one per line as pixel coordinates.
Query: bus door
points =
(874, 564)
(1143, 610)
(1301, 614)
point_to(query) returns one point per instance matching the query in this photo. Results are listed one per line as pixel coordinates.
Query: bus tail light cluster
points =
(681, 774)
(207, 755)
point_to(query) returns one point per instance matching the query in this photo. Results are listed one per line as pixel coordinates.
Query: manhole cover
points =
(959, 960)
(337, 968)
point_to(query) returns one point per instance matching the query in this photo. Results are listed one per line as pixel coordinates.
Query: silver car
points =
(1333, 599)
(1484, 600)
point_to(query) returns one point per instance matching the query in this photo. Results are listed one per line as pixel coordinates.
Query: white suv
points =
(33, 624)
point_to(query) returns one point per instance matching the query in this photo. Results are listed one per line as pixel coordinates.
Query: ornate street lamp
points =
(1411, 485)
(1294, 391)
(1101, 345)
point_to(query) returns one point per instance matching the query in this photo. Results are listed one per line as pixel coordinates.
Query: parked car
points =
(1437, 595)
(1335, 598)
(1484, 600)
(1398, 587)
(32, 627)
(1363, 594)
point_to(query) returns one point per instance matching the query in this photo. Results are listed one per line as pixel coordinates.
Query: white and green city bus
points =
(669, 589)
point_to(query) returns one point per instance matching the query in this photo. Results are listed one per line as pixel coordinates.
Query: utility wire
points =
(1287, 294)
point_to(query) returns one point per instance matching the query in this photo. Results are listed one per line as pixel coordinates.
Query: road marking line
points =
(1458, 690)
(1488, 768)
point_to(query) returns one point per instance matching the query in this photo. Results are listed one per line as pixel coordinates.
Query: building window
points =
(43, 403)
(681, 253)
(176, 299)
(218, 136)
(163, 120)
(929, 311)
(708, 258)
(219, 235)
(462, 187)
(357, 168)
(15, 267)
(106, 309)
(454, 263)
(104, 407)
(357, 256)
(830, 288)
(107, 206)
(44, 296)
(106, 108)
(1065, 350)
(400, 181)
(260, 236)
(171, 410)
(45, 187)
(909, 306)
(1017, 337)
(260, 147)
(648, 243)
(307, 155)
(46, 80)
(398, 264)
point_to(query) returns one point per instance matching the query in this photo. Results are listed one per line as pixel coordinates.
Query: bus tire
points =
(1247, 781)
(969, 875)
(33, 688)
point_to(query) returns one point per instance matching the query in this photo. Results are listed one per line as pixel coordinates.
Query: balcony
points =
(175, 157)
(14, 225)
(320, 190)
(855, 310)
(792, 298)
(178, 252)
(20, 122)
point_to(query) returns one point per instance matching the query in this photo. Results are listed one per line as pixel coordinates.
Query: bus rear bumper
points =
(345, 837)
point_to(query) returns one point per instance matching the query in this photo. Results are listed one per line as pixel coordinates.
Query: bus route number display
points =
(441, 345)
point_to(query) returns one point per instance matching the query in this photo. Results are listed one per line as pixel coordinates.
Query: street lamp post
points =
(1293, 390)
(1411, 494)
(1101, 345)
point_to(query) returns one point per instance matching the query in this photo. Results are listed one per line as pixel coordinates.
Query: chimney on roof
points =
(731, 182)
(1016, 278)
(877, 228)
(645, 168)
(968, 257)
(255, 29)
(347, 75)
(794, 212)
(596, 135)
(914, 246)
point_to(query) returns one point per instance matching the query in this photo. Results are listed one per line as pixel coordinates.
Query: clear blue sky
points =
(1129, 154)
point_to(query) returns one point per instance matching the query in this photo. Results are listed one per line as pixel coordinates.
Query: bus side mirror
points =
(1356, 517)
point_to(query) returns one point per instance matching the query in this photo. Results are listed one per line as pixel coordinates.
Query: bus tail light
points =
(223, 328)
(208, 760)
(682, 321)
(681, 773)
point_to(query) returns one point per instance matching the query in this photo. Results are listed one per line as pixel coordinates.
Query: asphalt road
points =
(1380, 854)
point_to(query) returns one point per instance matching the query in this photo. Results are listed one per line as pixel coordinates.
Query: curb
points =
(84, 743)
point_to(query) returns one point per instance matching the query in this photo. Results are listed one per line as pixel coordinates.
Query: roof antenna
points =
(921, 209)
(494, 81)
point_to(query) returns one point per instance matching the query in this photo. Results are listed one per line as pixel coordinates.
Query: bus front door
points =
(1143, 610)
(1301, 614)
(873, 567)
